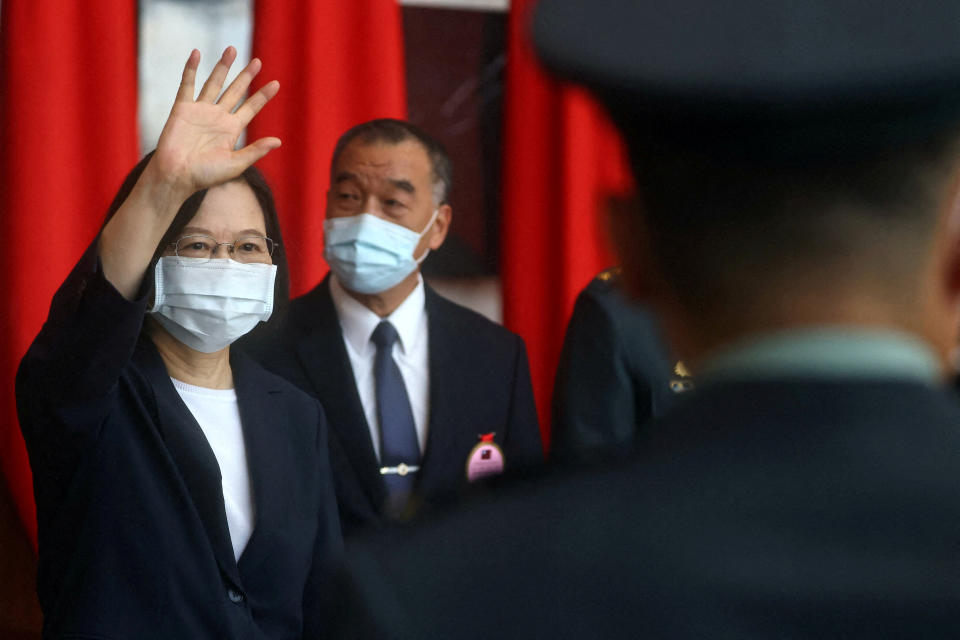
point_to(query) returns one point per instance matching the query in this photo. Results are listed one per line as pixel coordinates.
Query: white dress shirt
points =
(218, 415)
(410, 352)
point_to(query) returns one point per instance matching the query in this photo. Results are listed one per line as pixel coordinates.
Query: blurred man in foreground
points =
(797, 170)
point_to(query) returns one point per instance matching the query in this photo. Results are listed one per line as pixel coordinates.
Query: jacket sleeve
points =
(67, 380)
(523, 446)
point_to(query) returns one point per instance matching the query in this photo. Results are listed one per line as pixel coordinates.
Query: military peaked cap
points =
(792, 79)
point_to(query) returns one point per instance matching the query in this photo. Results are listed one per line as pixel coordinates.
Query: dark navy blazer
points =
(479, 383)
(132, 530)
(789, 508)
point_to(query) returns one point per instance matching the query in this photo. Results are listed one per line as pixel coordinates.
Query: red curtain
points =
(68, 135)
(338, 63)
(562, 159)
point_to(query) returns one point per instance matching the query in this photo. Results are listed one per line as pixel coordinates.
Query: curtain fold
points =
(339, 64)
(562, 160)
(68, 135)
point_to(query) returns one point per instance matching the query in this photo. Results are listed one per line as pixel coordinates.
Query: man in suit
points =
(411, 382)
(798, 233)
(615, 374)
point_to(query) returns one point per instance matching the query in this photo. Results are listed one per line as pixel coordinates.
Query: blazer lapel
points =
(193, 457)
(263, 416)
(444, 444)
(324, 358)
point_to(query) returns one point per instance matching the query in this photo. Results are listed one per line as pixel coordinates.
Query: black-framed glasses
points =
(249, 249)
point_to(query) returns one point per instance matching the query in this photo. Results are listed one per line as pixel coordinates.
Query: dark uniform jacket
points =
(479, 383)
(615, 373)
(791, 508)
(132, 530)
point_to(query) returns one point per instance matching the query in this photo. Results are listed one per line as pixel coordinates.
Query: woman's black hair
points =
(258, 184)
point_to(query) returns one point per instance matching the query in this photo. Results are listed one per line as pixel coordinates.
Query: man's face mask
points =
(369, 254)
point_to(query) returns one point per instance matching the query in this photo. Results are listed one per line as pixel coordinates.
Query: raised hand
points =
(196, 149)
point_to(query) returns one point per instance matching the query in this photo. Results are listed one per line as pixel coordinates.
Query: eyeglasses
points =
(247, 249)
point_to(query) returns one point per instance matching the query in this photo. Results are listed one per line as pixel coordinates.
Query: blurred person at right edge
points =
(797, 167)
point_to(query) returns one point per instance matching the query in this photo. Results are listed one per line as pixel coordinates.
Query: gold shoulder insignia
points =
(609, 274)
(682, 380)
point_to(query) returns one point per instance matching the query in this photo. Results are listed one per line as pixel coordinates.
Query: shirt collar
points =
(826, 352)
(358, 322)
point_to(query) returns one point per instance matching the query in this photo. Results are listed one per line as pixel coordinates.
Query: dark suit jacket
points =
(779, 509)
(479, 382)
(132, 530)
(614, 375)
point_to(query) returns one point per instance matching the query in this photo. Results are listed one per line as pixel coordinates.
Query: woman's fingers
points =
(185, 92)
(213, 85)
(240, 84)
(254, 103)
(196, 147)
(254, 151)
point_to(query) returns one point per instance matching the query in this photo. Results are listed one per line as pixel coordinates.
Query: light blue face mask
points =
(369, 254)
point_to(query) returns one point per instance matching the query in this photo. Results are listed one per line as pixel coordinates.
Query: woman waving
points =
(182, 491)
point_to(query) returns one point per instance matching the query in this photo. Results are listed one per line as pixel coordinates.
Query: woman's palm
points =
(197, 144)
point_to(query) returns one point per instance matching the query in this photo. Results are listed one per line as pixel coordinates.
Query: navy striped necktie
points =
(399, 448)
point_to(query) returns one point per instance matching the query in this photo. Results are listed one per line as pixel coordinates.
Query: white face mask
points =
(369, 254)
(207, 304)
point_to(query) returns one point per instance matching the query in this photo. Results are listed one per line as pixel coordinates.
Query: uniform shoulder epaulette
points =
(605, 282)
(608, 275)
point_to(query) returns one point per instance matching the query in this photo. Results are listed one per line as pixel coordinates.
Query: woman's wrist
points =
(163, 192)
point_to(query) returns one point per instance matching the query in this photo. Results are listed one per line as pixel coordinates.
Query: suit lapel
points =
(192, 455)
(263, 416)
(442, 437)
(324, 358)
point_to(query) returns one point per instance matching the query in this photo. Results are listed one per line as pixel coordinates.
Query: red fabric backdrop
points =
(68, 135)
(562, 158)
(338, 63)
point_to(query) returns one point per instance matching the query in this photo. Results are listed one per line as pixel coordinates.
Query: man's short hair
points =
(392, 131)
(723, 230)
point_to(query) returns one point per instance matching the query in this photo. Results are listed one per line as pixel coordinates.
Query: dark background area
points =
(19, 610)
(455, 62)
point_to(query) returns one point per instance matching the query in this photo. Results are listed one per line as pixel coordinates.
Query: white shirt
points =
(410, 352)
(218, 415)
